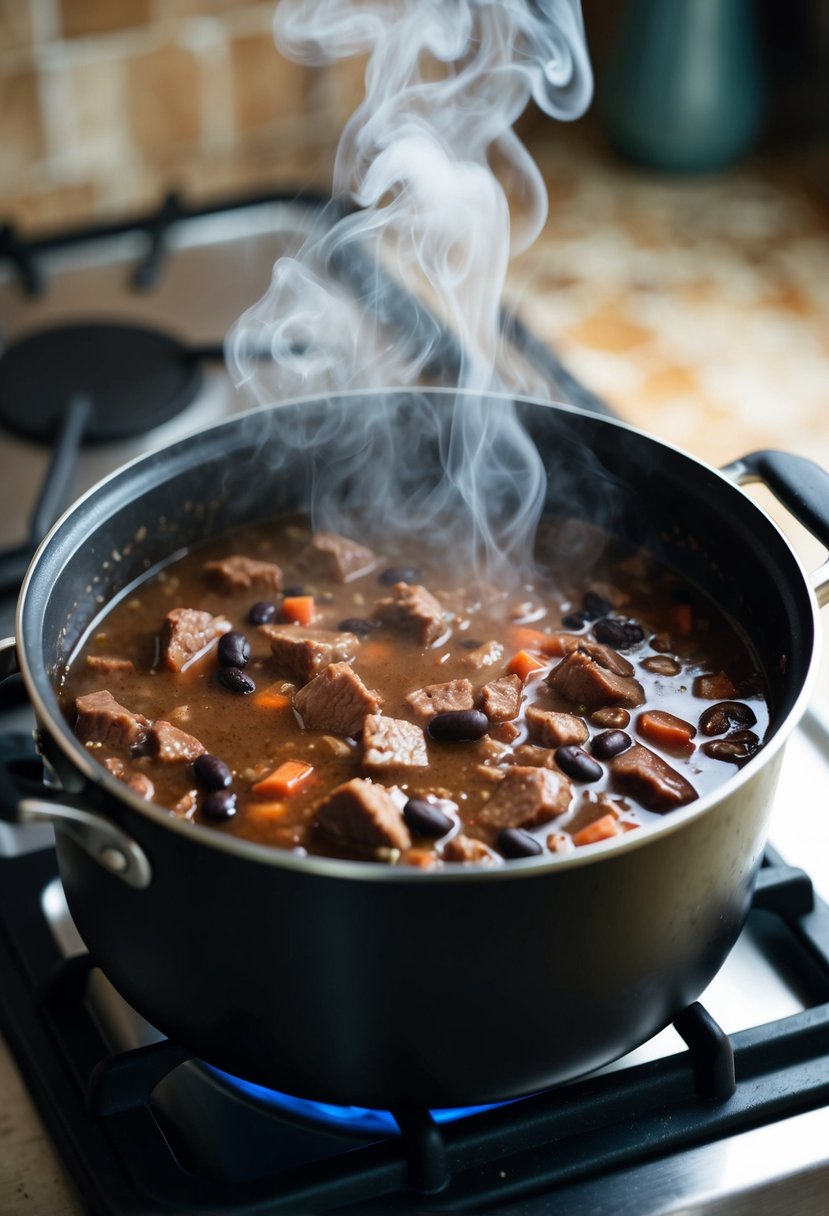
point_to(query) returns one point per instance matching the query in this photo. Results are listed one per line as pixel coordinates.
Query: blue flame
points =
(349, 1119)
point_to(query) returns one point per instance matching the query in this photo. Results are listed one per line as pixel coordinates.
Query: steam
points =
(431, 161)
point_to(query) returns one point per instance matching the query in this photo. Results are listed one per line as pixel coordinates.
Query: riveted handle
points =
(803, 488)
(24, 800)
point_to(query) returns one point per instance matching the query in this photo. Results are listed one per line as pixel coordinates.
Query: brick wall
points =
(107, 104)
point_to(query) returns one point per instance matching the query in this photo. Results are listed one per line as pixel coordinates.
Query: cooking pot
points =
(384, 986)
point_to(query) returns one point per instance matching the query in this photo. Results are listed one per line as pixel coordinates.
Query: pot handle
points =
(103, 840)
(803, 488)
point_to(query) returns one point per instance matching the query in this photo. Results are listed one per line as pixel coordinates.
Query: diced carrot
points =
(715, 686)
(298, 608)
(599, 829)
(284, 780)
(271, 698)
(682, 617)
(265, 813)
(534, 640)
(666, 730)
(523, 665)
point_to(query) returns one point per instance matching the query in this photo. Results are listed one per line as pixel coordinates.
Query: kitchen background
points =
(687, 283)
(697, 303)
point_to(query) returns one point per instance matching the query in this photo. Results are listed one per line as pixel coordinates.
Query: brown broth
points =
(253, 739)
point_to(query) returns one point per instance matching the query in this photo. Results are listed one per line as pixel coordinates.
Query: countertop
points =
(698, 307)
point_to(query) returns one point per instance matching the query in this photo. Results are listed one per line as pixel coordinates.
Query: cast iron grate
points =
(100, 1111)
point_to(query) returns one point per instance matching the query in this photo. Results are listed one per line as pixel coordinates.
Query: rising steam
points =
(430, 159)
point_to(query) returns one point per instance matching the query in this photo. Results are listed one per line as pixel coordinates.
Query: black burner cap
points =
(136, 379)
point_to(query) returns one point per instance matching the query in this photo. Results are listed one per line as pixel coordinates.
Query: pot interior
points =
(274, 460)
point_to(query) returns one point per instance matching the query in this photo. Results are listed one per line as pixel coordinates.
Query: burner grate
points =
(123, 1152)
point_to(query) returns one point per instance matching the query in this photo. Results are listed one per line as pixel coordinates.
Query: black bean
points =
(398, 574)
(262, 612)
(610, 743)
(294, 589)
(233, 650)
(717, 718)
(235, 680)
(515, 842)
(471, 643)
(358, 624)
(577, 764)
(736, 748)
(211, 772)
(574, 620)
(662, 665)
(458, 725)
(611, 631)
(425, 819)
(595, 605)
(219, 804)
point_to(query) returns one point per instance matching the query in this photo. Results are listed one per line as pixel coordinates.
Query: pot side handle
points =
(802, 487)
(23, 801)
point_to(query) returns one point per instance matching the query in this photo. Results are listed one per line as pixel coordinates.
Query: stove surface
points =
(635, 1137)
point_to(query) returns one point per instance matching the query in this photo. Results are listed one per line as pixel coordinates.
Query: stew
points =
(306, 692)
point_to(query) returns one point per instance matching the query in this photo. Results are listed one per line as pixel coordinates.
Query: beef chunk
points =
(108, 663)
(552, 729)
(303, 653)
(412, 608)
(170, 745)
(466, 848)
(187, 635)
(363, 816)
(526, 797)
(441, 698)
(336, 701)
(336, 557)
(391, 745)
(102, 720)
(483, 656)
(501, 699)
(238, 573)
(139, 782)
(605, 656)
(539, 757)
(648, 778)
(583, 681)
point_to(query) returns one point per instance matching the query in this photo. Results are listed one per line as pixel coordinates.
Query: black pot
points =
(381, 986)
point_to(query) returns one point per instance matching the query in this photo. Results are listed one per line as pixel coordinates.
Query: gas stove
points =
(728, 1110)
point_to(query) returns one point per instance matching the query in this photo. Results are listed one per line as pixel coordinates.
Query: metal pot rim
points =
(49, 714)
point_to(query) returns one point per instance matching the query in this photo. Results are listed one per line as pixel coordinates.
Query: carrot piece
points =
(666, 730)
(299, 609)
(523, 665)
(534, 640)
(682, 617)
(284, 780)
(599, 829)
(271, 698)
(715, 686)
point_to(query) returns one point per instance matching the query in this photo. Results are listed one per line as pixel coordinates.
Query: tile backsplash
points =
(105, 105)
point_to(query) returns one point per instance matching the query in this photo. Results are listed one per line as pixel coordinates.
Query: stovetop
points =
(726, 1124)
(737, 1121)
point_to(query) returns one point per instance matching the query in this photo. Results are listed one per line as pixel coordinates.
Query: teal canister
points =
(683, 86)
